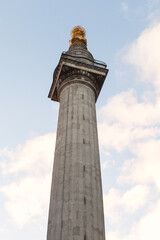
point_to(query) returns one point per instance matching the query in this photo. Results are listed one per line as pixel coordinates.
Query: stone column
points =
(76, 205)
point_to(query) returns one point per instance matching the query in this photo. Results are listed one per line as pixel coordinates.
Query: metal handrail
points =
(95, 62)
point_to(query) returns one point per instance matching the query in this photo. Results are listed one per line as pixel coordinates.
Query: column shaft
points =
(76, 206)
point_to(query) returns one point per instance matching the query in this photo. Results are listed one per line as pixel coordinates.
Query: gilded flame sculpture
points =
(78, 36)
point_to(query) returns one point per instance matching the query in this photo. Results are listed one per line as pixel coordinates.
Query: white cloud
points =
(148, 227)
(31, 163)
(27, 198)
(110, 205)
(144, 54)
(129, 124)
(132, 125)
(124, 108)
(135, 198)
(29, 157)
(146, 166)
(124, 121)
(106, 164)
(124, 6)
(116, 203)
(113, 236)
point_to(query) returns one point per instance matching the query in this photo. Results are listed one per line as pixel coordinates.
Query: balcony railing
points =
(94, 62)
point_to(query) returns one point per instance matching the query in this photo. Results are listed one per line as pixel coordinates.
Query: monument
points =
(76, 204)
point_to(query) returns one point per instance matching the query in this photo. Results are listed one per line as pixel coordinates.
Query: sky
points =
(125, 35)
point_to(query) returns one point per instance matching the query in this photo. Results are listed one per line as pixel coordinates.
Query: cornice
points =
(90, 75)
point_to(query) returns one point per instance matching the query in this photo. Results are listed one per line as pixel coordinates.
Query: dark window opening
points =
(84, 169)
(84, 221)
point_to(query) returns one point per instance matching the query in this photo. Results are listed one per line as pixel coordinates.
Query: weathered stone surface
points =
(76, 206)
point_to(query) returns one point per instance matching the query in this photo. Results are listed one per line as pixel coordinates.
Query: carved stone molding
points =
(70, 69)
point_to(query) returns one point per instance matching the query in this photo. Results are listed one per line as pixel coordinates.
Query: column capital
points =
(75, 68)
